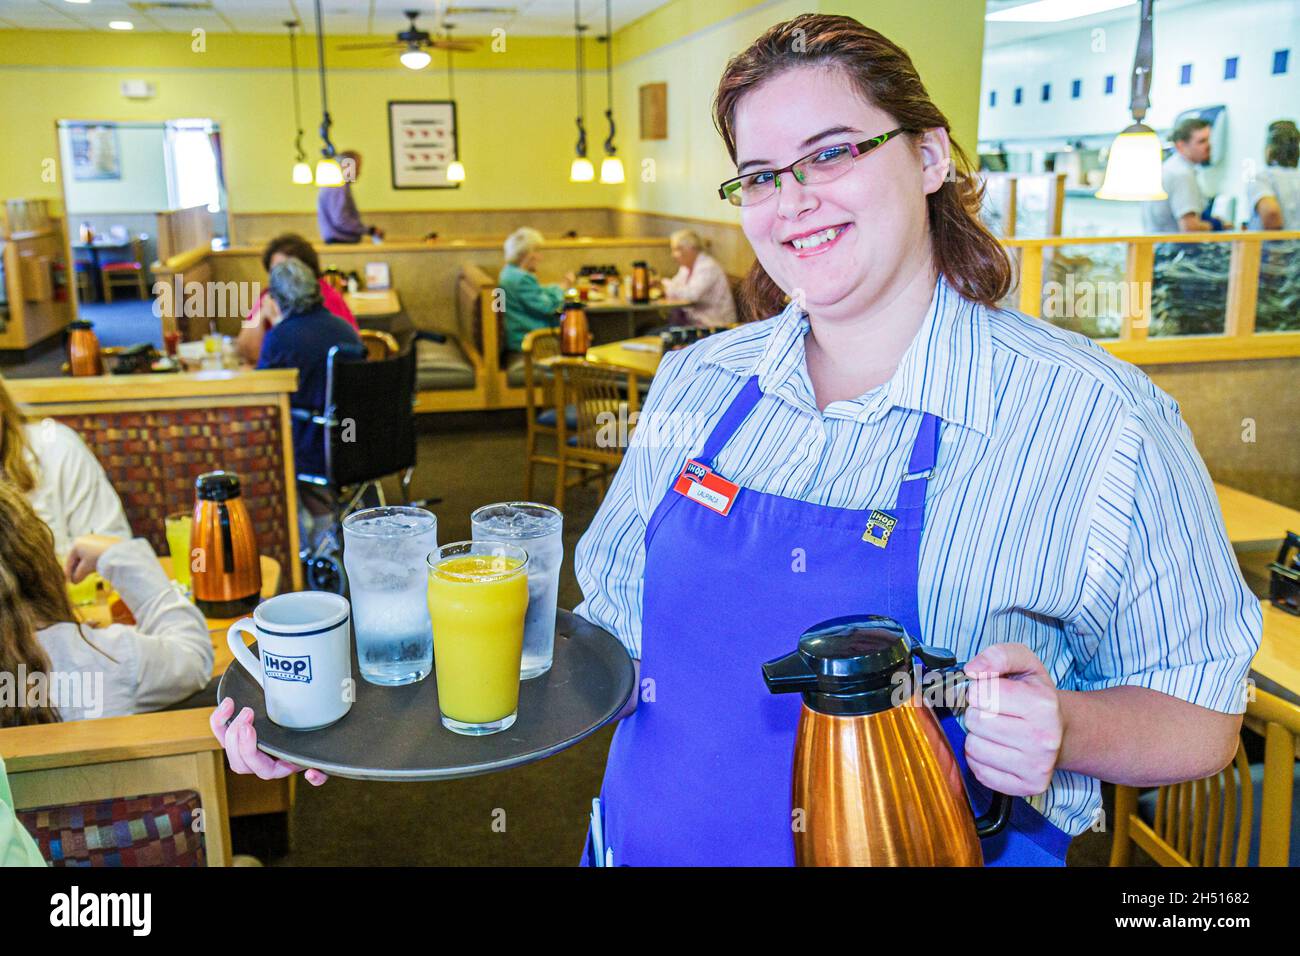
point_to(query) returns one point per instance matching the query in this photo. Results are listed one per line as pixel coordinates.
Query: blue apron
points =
(700, 773)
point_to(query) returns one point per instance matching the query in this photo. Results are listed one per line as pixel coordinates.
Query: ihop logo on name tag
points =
(695, 470)
(287, 668)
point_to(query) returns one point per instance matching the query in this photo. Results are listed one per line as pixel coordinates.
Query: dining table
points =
(621, 317)
(94, 248)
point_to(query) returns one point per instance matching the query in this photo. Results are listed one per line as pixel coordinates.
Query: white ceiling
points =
(998, 32)
(367, 17)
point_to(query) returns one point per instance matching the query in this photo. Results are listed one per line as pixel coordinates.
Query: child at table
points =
(54, 668)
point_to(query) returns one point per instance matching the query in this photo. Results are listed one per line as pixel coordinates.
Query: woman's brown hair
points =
(32, 596)
(295, 247)
(15, 467)
(964, 250)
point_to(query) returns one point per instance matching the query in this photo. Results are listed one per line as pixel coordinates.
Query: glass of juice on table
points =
(478, 595)
(179, 527)
(540, 529)
(384, 555)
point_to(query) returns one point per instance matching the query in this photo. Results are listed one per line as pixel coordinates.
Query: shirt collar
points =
(947, 369)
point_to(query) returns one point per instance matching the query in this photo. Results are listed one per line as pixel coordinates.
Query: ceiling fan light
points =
(415, 59)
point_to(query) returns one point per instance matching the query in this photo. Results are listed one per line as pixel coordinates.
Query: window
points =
(1019, 95)
(1280, 58)
(192, 150)
(1185, 74)
(1076, 89)
(1047, 92)
(993, 98)
(1230, 68)
(1110, 84)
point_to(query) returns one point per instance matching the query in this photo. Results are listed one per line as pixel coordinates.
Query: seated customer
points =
(17, 848)
(529, 305)
(302, 340)
(64, 482)
(1273, 193)
(700, 281)
(265, 313)
(101, 671)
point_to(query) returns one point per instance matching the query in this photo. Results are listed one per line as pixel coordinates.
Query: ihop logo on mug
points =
(287, 668)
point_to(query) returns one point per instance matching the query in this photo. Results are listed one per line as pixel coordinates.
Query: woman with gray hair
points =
(302, 340)
(529, 305)
(700, 281)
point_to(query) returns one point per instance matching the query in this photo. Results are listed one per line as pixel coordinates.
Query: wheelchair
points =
(369, 430)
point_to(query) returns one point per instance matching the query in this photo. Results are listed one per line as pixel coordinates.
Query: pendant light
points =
(328, 170)
(1133, 167)
(581, 170)
(301, 170)
(456, 171)
(611, 167)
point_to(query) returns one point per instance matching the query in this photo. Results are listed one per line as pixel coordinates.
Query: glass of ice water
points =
(384, 554)
(539, 529)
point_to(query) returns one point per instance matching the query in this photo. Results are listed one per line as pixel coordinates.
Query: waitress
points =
(1045, 513)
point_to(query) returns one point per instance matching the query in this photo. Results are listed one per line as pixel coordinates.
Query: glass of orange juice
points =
(478, 596)
(179, 528)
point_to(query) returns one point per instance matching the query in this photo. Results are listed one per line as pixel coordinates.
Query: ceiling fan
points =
(414, 44)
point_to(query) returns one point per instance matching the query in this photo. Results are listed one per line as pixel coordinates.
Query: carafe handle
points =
(995, 819)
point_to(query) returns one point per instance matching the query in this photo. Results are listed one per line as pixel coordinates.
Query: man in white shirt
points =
(1181, 212)
(700, 281)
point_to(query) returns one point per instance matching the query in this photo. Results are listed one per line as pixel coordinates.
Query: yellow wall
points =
(515, 106)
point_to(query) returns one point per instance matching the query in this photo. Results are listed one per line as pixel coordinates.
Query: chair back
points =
(1212, 821)
(378, 345)
(369, 406)
(538, 345)
(598, 394)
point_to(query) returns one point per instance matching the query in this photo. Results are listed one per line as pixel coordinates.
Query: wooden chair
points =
(129, 272)
(541, 403)
(83, 763)
(379, 345)
(603, 398)
(1211, 822)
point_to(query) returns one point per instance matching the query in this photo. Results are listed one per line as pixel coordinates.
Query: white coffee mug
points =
(303, 640)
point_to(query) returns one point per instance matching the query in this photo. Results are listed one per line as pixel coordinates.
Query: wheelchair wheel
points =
(325, 573)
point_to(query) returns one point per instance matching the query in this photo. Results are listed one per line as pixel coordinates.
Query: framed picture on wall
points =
(422, 143)
(95, 153)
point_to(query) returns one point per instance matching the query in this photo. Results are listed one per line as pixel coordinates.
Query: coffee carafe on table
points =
(875, 779)
(228, 581)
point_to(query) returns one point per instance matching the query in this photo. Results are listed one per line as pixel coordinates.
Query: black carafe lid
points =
(217, 486)
(857, 664)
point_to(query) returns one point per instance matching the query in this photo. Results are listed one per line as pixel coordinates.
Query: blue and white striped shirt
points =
(1068, 510)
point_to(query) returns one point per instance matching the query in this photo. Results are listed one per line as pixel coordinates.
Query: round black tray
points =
(394, 733)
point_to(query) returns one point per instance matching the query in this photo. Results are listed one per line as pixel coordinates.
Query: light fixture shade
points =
(329, 173)
(415, 59)
(1133, 169)
(302, 174)
(581, 171)
(611, 170)
(456, 172)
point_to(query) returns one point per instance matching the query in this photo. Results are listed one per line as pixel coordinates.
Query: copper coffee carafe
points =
(227, 580)
(875, 779)
(575, 334)
(640, 285)
(83, 349)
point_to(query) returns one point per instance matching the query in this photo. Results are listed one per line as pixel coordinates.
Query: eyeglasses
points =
(821, 166)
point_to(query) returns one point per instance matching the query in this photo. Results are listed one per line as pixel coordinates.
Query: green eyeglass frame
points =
(731, 191)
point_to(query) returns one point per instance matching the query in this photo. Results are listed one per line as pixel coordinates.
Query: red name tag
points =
(699, 483)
